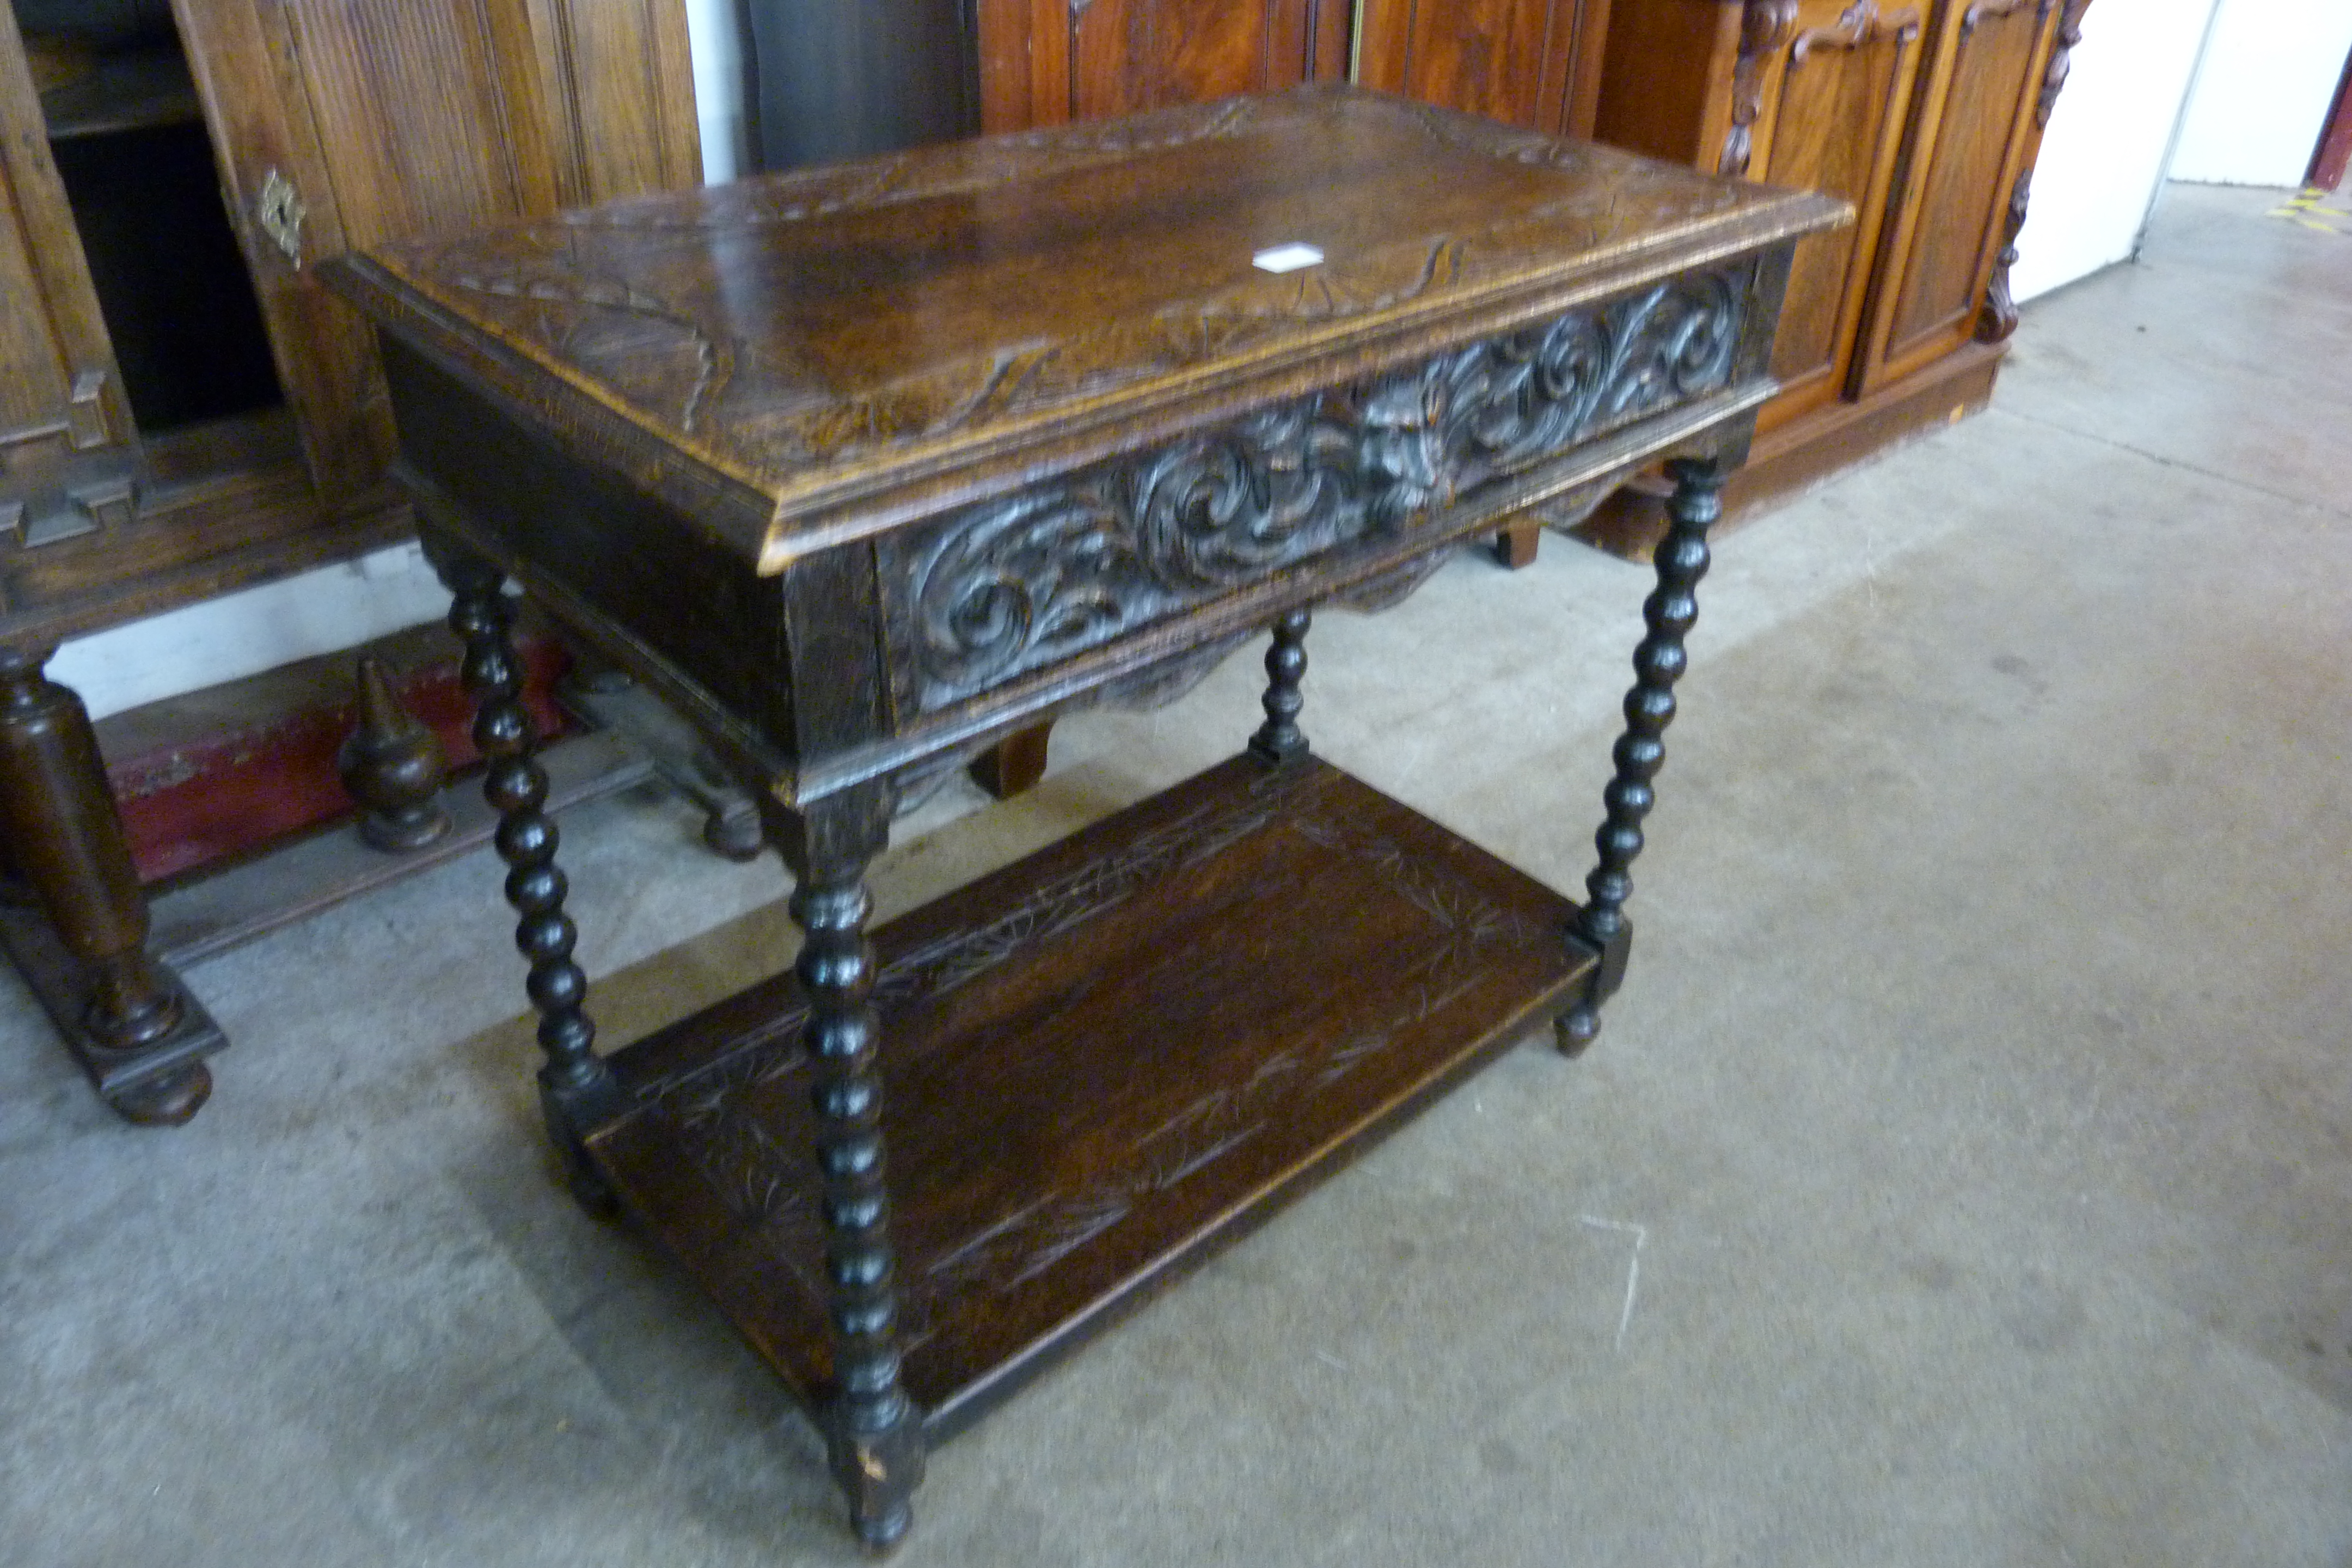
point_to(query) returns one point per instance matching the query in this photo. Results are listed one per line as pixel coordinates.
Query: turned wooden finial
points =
(394, 766)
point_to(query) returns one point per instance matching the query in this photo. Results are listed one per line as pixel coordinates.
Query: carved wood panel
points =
(996, 590)
(1957, 184)
(1833, 97)
(1534, 63)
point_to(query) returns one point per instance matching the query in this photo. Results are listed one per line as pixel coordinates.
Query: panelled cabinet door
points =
(342, 123)
(1960, 169)
(63, 425)
(1534, 63)
(1823, 88)
(1043, 62)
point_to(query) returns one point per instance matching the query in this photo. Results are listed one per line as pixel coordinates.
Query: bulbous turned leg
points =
(576, 1090)
(137, 1031)
(1279, 739)
(873, 1431)
(1670, 611)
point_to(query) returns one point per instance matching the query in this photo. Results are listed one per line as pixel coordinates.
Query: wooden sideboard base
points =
(1801, 454)
(1219, 996)
(160, 1083)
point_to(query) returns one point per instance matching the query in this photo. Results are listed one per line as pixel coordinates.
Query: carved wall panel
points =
(996, 590)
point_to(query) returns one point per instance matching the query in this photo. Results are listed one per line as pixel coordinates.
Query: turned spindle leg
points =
(874, 1433)
(1279, 739)
(1658, 662)
(575, 1088)
(128, 1019)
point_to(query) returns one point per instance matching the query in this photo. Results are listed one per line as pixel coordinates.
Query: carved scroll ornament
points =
(1763, 28)
(1012, 585)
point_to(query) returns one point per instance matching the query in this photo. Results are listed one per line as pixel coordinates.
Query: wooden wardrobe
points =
(1926, 114)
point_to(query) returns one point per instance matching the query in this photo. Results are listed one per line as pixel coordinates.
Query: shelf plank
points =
(135, 91)
(1103, 1064)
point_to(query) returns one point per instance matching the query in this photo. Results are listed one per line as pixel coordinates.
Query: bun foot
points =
(1576, 1029)
(883, 1534)
(167, 1100)
(732, 830)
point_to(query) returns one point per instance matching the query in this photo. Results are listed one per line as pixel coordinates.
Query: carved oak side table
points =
(866, 468)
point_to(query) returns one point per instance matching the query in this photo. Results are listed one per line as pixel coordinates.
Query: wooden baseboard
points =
(1803, 453)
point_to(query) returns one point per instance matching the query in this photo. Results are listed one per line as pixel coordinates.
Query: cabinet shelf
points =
(1103, 1064)
(130, 91)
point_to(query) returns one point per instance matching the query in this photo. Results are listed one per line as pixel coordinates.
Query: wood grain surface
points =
(806, 341)
(1104, 1062)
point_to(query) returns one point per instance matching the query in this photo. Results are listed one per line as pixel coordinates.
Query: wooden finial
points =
(394, 766)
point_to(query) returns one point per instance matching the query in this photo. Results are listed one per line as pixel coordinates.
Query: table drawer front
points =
(996, 591)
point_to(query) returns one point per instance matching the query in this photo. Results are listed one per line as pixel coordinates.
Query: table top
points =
(822, 355)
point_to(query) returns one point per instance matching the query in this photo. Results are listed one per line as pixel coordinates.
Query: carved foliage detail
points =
(2053, 75)
(1763, 28)
(1012, 585)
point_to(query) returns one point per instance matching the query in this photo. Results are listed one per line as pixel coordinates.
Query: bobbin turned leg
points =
(576, 1090)
(1658, 662)
(1279, 739)
(873, 1431)
(133, 1026)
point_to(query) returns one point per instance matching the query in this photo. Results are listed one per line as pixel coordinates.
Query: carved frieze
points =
(1007, 586)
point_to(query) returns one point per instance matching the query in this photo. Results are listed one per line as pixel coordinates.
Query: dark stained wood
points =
(1280, 739)
(821, 403)
(130, 1022)
(394, 767)
(874, 1433)
(1669, 613)
(865, 468)
(1043, 1193)
(574, 1087)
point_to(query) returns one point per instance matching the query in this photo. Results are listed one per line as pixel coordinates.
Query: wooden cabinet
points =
(183, 410)
(330, 123)
(1927, 115)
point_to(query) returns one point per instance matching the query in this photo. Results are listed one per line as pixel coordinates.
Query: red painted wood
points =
(233, 793)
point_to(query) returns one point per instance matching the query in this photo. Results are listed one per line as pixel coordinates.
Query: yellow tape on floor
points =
(2309, 208)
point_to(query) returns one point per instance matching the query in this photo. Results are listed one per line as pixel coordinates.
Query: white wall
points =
(2269, 78)
(2103, 156)
(242, 633)
(719, 89)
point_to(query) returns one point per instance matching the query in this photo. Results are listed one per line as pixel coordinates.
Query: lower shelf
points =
(1102, 1063)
